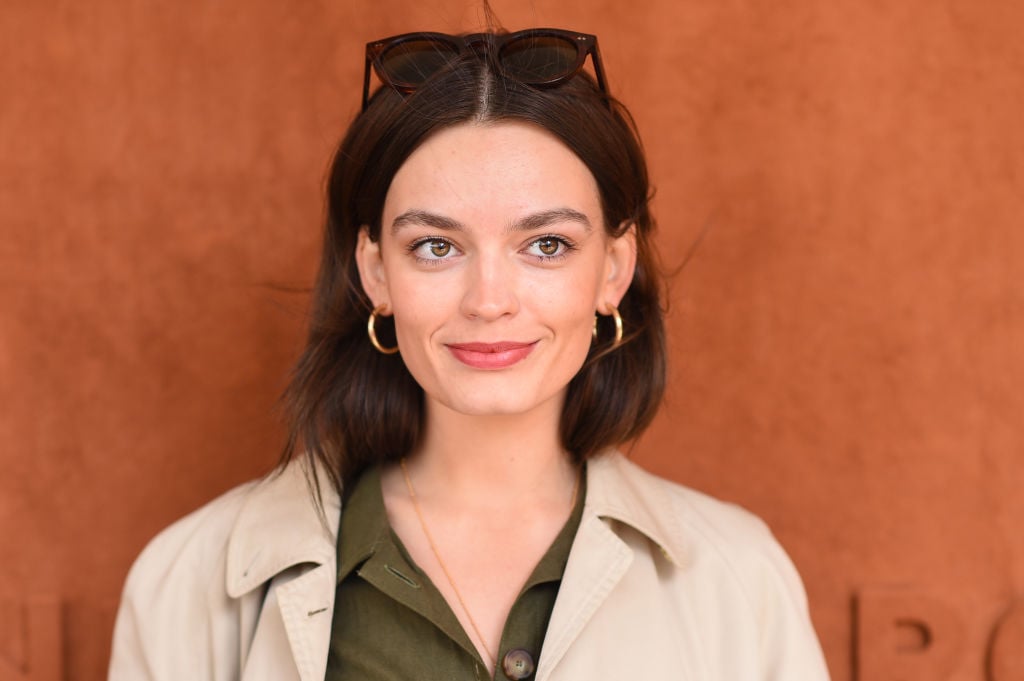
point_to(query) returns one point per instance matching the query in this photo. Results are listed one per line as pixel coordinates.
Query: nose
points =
(490, 287)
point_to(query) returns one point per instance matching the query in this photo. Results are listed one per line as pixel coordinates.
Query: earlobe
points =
(371, 269)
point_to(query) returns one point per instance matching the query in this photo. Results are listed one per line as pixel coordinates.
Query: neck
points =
(493, 461)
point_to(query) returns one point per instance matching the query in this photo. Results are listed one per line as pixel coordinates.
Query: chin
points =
(492, 405)
(495, 400)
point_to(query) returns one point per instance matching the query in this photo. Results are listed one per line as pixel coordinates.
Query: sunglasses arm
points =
(366, 82)
(599, 69)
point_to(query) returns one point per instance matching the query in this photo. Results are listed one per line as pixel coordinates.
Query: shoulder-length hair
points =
(347, 405)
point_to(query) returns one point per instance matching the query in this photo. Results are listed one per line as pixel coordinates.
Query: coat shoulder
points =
(191, 602)
(701, 528)
(193, 546)
(174, 596)
(690, 510)
(729, 555)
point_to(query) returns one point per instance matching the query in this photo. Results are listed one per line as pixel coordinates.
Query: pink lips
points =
(491, 355)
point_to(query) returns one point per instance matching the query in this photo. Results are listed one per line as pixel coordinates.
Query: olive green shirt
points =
(390, 621)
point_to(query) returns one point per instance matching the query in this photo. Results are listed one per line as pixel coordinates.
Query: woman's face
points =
(493, 259)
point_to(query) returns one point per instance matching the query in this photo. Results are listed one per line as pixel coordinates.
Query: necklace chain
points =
(444, 568)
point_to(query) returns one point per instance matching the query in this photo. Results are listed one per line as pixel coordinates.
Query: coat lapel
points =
(282, 546)
(306, 604)
(597, 562)
(279, 537)
(617, 492)
(296, 617)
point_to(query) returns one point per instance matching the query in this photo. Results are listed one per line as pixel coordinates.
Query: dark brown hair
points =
(349, 406)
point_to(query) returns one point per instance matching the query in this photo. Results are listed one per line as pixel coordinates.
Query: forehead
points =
(479, 172)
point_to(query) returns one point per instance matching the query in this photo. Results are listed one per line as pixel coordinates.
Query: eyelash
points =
(415, 246)
(567, 246)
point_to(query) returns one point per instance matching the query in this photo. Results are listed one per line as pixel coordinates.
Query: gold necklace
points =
(444, 568)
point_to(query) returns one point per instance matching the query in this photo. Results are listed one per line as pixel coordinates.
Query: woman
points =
(486, 330)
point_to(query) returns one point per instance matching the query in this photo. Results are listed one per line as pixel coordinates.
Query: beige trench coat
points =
(662, 583)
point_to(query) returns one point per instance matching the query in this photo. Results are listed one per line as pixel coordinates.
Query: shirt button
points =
(518, 664)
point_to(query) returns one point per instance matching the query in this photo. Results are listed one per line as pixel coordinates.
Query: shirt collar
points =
(365, 529)
(364, 523)
(279, 525)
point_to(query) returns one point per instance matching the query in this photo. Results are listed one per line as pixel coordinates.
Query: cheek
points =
(572, 293)
(413, 296)
(416, 311)
(568, 309)
(419, 311)
(413, 336)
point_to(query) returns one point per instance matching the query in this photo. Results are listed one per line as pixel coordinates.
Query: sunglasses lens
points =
(409, 64)
(540, 59)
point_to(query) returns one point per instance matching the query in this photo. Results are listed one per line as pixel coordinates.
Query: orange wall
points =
(847, 341)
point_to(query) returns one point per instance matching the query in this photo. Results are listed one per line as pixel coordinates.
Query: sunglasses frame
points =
(490, 44)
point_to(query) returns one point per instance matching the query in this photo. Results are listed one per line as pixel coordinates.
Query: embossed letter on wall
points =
(903, 635)
(1006, 650)
(47, 638)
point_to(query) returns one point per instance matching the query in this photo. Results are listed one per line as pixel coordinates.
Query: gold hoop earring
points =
(371, 331)
(618, 326)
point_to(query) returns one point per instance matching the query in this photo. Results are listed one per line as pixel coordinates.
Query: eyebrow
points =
(422, 217)
(528, 223)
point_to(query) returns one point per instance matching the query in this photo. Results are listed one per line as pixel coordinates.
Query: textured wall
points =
(847, 340)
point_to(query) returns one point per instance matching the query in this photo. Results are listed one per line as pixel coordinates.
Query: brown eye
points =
(548, 246)
(440, 249)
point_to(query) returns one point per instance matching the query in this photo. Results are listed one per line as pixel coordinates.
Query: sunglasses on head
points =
(541, 57)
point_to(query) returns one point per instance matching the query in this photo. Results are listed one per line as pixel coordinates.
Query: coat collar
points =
(279, 526)
(618, 489)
